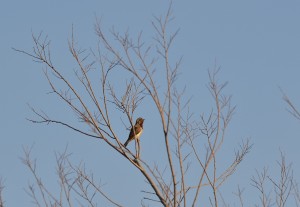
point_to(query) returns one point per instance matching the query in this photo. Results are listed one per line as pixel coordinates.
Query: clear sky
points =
(256, 43)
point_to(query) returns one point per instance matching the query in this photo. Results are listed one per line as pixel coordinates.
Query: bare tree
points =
(187, 138)
(296, 193)
(75, 184)
(294, 111)
(276, 190)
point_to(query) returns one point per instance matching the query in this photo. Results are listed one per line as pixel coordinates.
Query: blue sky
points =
(256, 44)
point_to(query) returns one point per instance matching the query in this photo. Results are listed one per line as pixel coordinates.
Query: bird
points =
(135, 131)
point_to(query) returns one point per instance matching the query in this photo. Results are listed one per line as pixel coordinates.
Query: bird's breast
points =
(138, 134)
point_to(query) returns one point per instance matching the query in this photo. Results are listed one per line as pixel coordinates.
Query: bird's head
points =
(140, 121)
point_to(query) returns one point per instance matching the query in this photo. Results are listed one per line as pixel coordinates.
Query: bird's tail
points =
(126, 143)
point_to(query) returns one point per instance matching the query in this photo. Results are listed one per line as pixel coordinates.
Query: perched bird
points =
(135, 131)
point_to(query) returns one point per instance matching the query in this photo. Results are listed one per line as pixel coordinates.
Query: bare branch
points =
(259, 183)
(284, 185)
(1, 192)
(239, 194)
(292, 109)
(46, 120)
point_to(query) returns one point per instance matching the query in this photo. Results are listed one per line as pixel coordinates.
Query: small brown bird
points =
(135, 131)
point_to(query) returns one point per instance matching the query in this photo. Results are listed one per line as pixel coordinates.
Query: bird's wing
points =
(137, 129)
